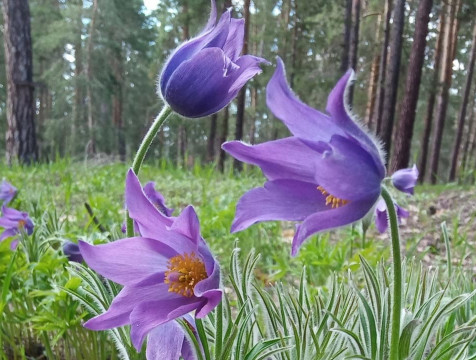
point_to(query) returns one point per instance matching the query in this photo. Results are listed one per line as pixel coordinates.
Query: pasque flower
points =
(405, 179)
(13, 222)
(7, 192)
(167, 272)
(328, 174)
(205, 73)
(72, 252)
(381, 215)
(168, 341)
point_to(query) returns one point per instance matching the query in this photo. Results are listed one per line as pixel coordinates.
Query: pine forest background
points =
(96, 62)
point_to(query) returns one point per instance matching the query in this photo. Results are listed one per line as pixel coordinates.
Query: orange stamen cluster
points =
(184, 272)
(332, 200)
(21, 223)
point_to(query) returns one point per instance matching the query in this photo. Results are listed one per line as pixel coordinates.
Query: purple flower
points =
(7, 192)
(405, 179)
(168, 341)
(381, 215)
(167, 272)
(71, 251)
(205, 73)
(13, 222)
(328, 174)
(157, 199)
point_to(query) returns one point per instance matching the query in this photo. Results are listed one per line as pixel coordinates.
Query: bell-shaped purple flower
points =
(7, 192)
(205, 73)
(405, 179)
(328, 174)
(167, 272)
(381, 215)
(13, 222)
(168, 341)
(72, 252)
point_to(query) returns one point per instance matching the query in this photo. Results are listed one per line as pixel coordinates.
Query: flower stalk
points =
(397, 275)
(142, 151)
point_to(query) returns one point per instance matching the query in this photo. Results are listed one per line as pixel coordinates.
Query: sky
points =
(151, 4)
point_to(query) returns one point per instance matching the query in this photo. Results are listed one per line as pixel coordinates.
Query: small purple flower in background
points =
(204, 74)
(168, 341)
(327, 175)
(167, 272)
(7, 192)
(381, 215)
(13, 222)
(72, 252)
(405, 179)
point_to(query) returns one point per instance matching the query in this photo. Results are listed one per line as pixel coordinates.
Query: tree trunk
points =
(117, 100)
(346, 43)
(254, 101)
(240, 111)
(404, 134)
(78, 70)
(447, 68)
(377, 115)
(425, 142)
(469, 135)
(391, 78)
(21, 134)
(373, 79)
(223, 138)
(212, 138)
(354, 44)
(464, 105)
(91, 148)
(294, 43)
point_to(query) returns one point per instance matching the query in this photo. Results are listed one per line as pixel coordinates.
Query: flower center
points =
(184, 272)
(21, 223)
(332, 200)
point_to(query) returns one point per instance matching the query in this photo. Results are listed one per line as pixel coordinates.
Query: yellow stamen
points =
(332, 200)
(21, 223)
(184, 272)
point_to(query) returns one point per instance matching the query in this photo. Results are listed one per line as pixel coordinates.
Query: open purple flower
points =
(328, 174)
(72, 252)
(7, 192)
(13, 222)
(405, 179)
(168, 342)
(167, 272)
(205, 73)
(381, 215)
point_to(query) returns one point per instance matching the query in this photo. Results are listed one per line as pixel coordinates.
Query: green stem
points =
(142, 151)
(397, 275)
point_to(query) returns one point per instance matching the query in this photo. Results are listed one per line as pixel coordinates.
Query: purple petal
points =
(148, 315)
(165, 342)
(340, 114)
(7, 192)
(302, 120)
(278, 200)
(347, 171)
(208, 290)
(127, 261)
(157, 199)
(234, 41)
(401, 212)
(208, 82)
(381, 215)
(128, 298)
(72, 252)
(405, 179)
(286, 158)
(332, 218)
(215, 37)
(8, 233)
(14, 244)
(188, 225)
(151, 222)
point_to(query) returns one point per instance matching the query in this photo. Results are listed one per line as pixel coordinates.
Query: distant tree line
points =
(78, 77)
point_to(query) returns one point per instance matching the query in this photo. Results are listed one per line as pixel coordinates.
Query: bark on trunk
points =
(346, 43)
(373, 79)
(464, 105)
(469, 135)
(212, 138)
(223, 138)
(254, 101)
(377, 115)
(354, 43)
(392, 76)
(117, 101)
(240, 112)
(91, 148)
(77, 119)
(404, 134)
(21, 134)
(448, 51)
